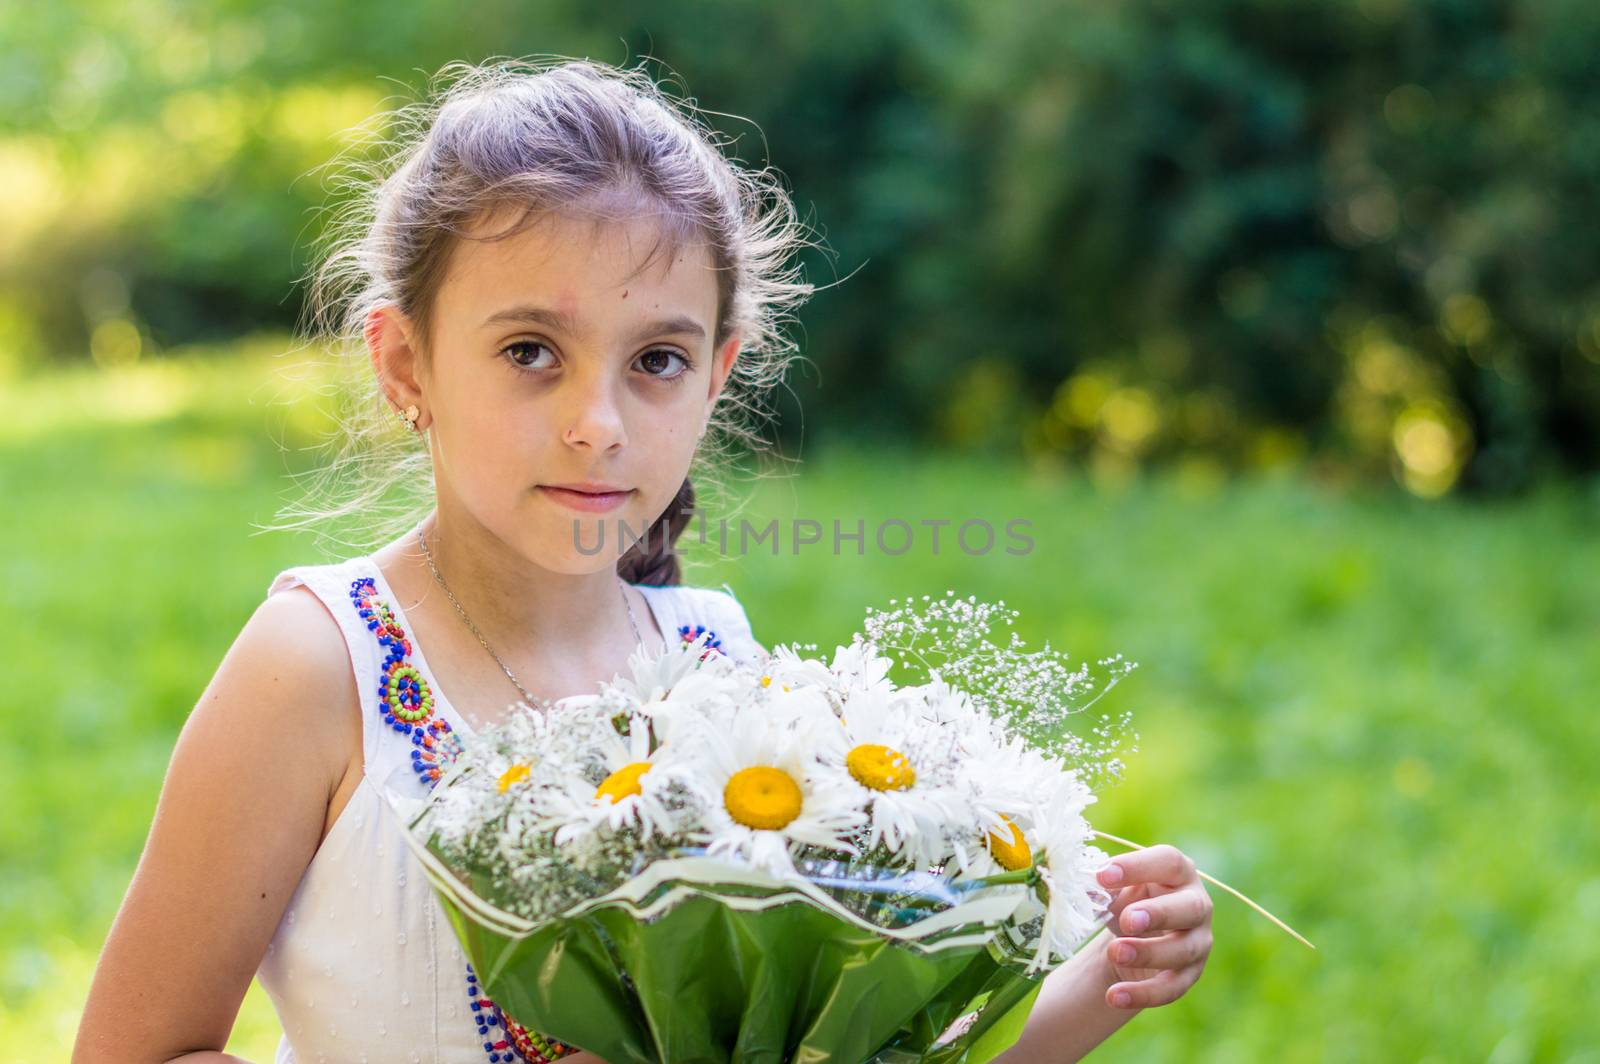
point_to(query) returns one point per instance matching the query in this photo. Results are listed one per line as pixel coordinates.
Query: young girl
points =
(561, 285)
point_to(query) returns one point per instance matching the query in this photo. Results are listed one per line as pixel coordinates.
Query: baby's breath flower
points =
(1034, 691)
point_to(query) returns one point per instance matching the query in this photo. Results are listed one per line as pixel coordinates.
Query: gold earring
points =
(409, 415)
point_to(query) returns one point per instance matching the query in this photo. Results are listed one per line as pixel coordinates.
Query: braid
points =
(659, 564)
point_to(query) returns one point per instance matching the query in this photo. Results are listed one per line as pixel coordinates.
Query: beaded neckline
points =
(410, 703)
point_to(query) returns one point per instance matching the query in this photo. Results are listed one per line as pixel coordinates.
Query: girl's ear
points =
(721, 366)
(394, 359)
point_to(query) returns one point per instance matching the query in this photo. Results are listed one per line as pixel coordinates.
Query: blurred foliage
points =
(1370, 713)
(1344, 234)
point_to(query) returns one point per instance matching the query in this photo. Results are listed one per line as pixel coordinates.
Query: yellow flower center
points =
(1013, 854)
(762, 797)
(880, 767)
(766, 681)
(623, 782)
(514, 774)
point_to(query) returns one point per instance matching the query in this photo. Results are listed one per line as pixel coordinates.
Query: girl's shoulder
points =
(318, 576)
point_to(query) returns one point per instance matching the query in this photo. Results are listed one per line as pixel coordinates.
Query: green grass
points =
(1374, 715)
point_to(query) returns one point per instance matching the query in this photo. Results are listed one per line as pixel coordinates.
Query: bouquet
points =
(787, 859)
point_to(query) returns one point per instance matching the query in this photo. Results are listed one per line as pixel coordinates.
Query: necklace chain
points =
(530, 699)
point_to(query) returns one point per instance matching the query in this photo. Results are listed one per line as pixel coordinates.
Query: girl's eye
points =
(534, 345)
(659, 355)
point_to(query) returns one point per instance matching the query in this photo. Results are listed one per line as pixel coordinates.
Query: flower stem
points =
(1021, 875)
(1224, 886)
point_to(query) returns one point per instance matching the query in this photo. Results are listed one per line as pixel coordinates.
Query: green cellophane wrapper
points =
(692, 961)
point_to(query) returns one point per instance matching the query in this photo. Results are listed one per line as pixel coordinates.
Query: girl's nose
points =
(595, 420)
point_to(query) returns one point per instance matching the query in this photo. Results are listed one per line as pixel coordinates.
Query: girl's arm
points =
(1070, 1016)
(240, 816)
(1165, 915)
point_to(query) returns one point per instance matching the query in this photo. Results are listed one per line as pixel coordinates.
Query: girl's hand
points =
(1165, 912)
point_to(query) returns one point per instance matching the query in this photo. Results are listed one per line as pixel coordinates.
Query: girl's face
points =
(551, 365)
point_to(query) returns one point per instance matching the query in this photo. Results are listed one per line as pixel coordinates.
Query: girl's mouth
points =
(587, 501)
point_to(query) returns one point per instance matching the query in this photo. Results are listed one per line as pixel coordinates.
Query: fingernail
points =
(1121, 999)
(1138, 920)
(1125, 952)
(1111, 873)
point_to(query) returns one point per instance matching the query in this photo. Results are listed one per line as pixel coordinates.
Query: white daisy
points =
(786, 668)
(801, 709)
(1007, 783)
(698, 701)
(1067, 867)
(860, 666)
(500, 775)
(713, 704)
(632, 794)
(762, 798)
(856, 667)
(1057, 845)
(987, 850)
(890, 758)
(655, 678)
(675, 688)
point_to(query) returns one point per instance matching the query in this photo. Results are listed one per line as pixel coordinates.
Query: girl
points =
(561, 284)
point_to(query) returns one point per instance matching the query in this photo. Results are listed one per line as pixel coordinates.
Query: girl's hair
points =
(542, 135)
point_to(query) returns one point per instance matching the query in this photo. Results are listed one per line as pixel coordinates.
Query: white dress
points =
(363, 965)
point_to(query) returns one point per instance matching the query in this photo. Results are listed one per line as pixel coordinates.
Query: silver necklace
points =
(530, 699)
